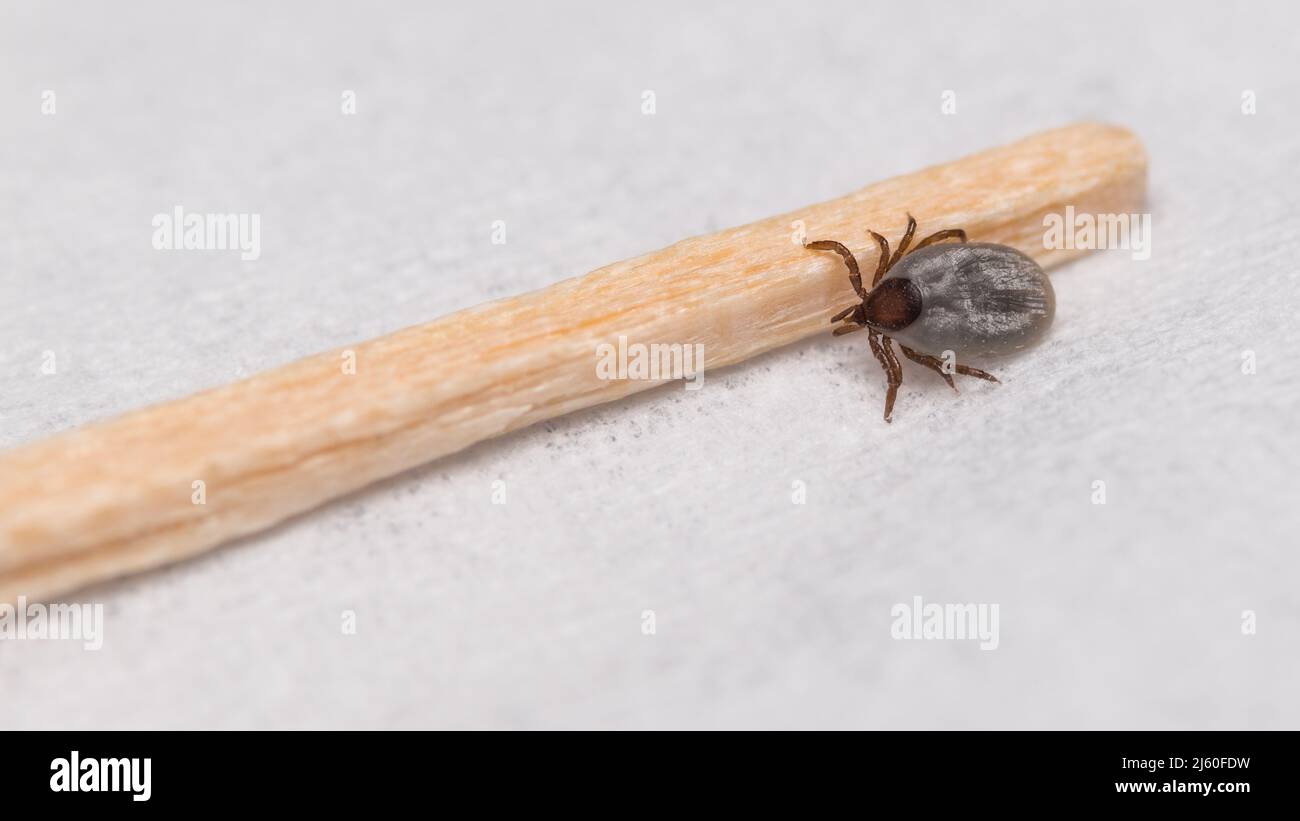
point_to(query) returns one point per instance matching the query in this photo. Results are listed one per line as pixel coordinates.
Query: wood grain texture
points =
(116, 497)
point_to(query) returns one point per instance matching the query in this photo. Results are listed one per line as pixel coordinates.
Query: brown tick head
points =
(893, 305)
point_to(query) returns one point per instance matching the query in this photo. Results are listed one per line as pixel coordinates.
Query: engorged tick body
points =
(954, 301)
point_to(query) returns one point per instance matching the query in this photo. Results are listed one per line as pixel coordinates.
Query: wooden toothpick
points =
(173, 480)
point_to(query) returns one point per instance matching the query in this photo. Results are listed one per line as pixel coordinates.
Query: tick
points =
(970, 299)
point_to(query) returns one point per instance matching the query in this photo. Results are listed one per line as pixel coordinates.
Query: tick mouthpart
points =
(893, 305)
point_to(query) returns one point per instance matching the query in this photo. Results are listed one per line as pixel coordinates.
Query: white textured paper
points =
(766, 612)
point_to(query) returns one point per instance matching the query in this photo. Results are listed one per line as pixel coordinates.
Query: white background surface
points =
(528, 614)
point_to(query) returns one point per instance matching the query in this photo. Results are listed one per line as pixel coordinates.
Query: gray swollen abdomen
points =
(977, 299)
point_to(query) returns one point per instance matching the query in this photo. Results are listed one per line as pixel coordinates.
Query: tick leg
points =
(846, 328)
(874, 338)
(884, 351)
(966, 370)
(902, 246)
(843, 313)
(940, 236)
(855, 275)
(883, 265)
(934, 363)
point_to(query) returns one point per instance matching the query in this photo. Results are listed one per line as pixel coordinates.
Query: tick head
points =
(893, 305)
